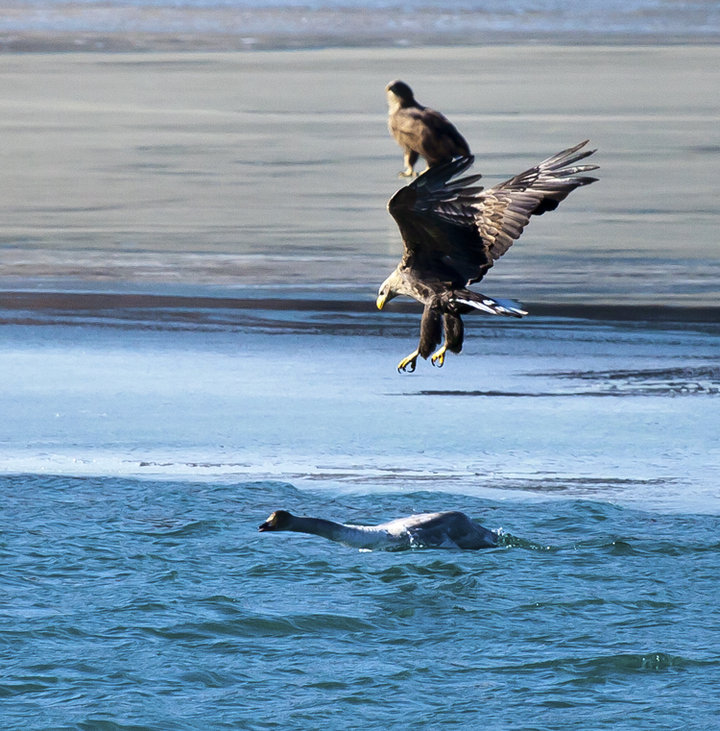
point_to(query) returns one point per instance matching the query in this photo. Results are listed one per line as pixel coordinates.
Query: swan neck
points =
(318, 527)
(359, 536)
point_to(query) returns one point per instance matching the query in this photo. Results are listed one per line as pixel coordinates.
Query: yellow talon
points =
(408, 364)
(438, 358)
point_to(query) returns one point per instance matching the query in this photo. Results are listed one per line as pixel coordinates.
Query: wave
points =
(622, 663)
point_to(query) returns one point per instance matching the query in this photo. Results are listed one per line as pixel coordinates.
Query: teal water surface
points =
(152, 604)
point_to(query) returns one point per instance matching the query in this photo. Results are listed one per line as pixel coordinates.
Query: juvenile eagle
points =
(420, 130)
(453, 231)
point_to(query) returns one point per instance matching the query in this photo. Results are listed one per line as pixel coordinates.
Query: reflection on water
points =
(700, 380)
(673, 381)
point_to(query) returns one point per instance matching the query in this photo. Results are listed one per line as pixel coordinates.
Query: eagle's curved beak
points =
(380, 301)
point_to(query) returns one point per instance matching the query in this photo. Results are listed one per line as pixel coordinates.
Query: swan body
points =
(451, 529)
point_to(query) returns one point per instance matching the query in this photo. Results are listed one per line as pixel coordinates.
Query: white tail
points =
(494, 306)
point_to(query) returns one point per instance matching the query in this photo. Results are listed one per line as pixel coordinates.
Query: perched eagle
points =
(453, 231)
(420, 130)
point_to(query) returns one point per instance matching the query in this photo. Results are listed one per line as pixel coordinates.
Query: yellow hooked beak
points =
(380, 301)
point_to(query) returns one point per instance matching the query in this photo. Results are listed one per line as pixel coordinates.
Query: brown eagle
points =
(420, 130)
(453, 231)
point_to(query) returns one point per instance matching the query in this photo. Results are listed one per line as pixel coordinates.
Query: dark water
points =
(156, 604)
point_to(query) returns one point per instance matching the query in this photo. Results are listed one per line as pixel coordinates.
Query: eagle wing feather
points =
(451, 227)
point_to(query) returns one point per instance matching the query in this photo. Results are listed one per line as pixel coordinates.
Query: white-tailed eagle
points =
(453, 231)
(421, 131)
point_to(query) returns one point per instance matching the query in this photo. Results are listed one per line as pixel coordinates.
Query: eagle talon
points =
(407, 365)
(438, 359)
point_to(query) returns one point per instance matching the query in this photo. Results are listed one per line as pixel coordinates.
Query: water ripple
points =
(199, 622)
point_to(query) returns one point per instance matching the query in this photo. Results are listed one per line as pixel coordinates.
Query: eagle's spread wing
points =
(451, 226)
(503, 211)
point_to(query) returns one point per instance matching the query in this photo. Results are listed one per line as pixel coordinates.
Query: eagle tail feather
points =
(490, 304)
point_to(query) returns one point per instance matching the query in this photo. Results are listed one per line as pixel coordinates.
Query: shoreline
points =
(174, 308)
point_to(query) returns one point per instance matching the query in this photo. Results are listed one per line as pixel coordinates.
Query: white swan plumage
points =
(450, 529)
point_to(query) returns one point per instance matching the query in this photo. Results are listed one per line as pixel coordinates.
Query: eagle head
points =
(399, 94)
(388, 290)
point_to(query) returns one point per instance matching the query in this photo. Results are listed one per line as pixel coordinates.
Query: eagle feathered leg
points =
(454, 335)
(430, 335)
(409, 158)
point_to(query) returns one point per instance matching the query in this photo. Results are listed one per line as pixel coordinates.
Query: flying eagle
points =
(453, 231)
(420, 130)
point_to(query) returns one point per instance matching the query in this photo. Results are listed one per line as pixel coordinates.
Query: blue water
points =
(156, 604)
(298, 23)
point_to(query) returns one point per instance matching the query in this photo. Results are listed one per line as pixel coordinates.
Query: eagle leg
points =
(407, 365)
(409, 159)
(407, 173)
(438, 357)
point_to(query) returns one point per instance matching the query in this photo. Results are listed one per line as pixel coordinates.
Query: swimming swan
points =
(433, 530)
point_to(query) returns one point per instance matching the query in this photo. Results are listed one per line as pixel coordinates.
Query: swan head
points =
(279, 520)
